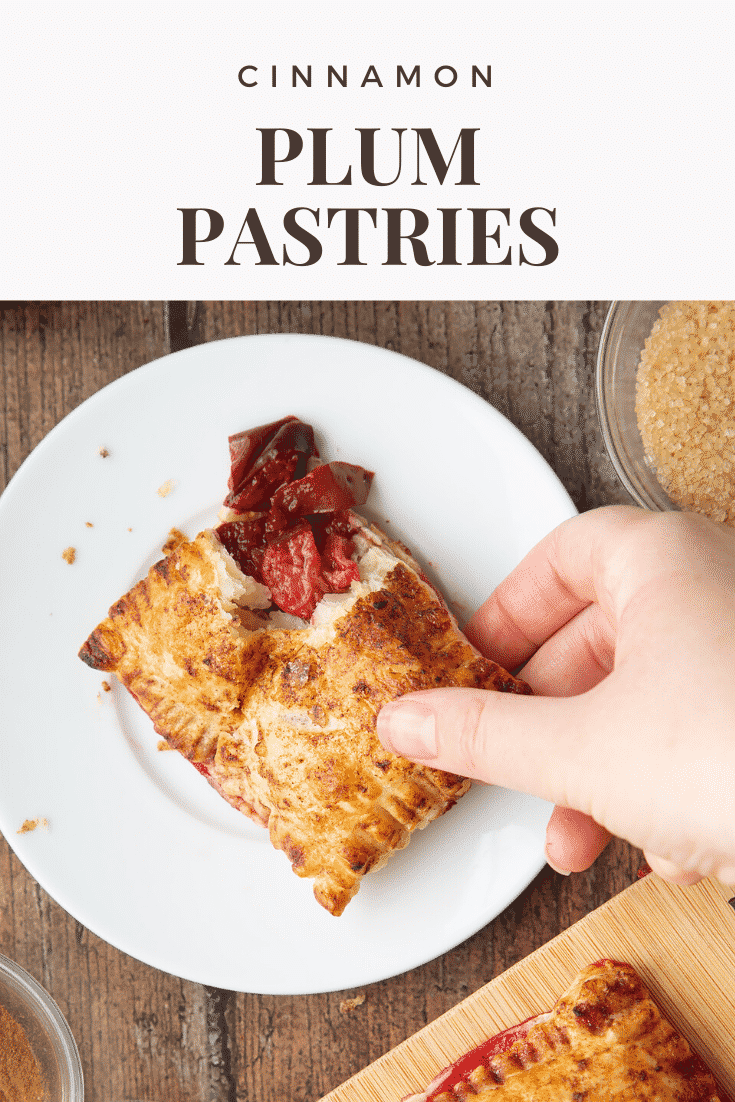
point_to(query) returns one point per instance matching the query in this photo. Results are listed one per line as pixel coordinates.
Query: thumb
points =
(531, 744)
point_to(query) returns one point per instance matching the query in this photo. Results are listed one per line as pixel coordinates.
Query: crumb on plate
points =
(106, 687)
(69, 554)
(31, 824)
(88, 524)
(165, 488)
(103, 452)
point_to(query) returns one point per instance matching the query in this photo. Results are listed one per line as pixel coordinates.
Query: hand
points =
(624, 623)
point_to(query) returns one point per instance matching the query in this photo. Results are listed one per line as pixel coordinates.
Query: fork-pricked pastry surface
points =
(605, 1040)
(281, 720)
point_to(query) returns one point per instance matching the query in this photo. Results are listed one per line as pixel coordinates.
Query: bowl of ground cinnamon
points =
(666, 402)
(39, 1061)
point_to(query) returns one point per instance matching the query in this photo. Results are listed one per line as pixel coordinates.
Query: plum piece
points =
(265, 459)
(246, 446)
(325, 489)
(292, 570)
(245, 540)
(342, 523)
(338, 569)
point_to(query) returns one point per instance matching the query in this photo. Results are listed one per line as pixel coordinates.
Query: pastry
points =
(275, 704)
(605, 1040)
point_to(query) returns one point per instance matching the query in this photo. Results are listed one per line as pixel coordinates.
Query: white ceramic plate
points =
(138, 847)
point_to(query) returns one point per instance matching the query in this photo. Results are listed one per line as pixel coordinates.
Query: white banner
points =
(516, 150)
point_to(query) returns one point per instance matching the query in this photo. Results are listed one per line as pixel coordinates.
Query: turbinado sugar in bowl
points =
(685, 405)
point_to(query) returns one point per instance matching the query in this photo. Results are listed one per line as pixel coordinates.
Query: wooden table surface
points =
(144, 1034)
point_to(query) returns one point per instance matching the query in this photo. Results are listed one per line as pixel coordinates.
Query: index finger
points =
(555, 581)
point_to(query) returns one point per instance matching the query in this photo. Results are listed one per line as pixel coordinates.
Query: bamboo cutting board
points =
(681, 941)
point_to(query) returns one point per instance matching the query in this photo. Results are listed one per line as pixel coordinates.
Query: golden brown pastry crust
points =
(282, 722)
(604, 1041)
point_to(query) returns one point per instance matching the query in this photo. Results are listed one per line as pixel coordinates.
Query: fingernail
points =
(408, 729)
(563, 872)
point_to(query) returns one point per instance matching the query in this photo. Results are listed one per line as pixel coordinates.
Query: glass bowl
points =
(47, 1031)
(626, 327)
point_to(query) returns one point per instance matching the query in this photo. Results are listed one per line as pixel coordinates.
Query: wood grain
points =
(680, 941)
(146, 1035)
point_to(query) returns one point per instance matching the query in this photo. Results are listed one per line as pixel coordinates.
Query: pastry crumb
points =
(163, 745)
(88, 524)
(175, 537)
(106, 687)
(165, 488)
(347, 1005)
(69, 554)
(31, 824)
(103, 452)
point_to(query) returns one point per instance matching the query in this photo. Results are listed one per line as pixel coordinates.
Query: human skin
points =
(623, 622)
